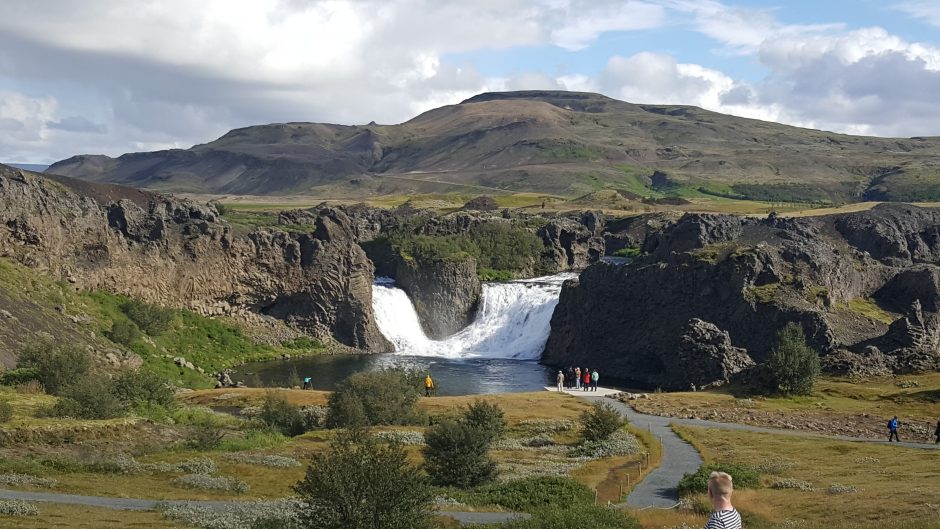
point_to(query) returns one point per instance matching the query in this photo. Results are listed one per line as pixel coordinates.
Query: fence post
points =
(595, 496)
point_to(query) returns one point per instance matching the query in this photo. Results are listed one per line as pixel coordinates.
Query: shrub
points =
(25, 480)
(123, 332)
(697, 483)
(206, 482)
(487, 418)
(20, 375)
(456, 455)
(532, 493)
(582, 517)
(376, 398)
(793, 364)
(151, 319)
(279, 514)
(144, 388)
(6, 411)
(265, 460)
(363, 484)
(600, 422)
(204, 437)
(17, 508)
(618, 444)
(55, 365)
(90, 397)
(277, 413)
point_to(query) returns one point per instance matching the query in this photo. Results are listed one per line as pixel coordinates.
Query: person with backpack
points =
(308, 382)
(587, 379)
(594, 377)
(893, 430)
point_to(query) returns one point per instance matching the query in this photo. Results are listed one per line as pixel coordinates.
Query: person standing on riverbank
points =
(577, 378)
(587, 379)
(560, 379)
(428, 385)
(594, 377)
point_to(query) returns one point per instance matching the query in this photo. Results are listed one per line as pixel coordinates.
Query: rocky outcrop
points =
(445, 293)
(174, 252)
(573, 244)
(749, 277)
(706, 357)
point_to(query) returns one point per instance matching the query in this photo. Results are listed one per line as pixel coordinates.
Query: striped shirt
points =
(724, 520)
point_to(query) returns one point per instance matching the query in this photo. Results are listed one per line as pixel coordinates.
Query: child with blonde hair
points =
(720, 487)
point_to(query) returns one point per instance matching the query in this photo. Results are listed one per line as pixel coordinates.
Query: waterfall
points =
(512, 321)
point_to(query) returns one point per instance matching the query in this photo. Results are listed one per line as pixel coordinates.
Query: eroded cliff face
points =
(177, 253)
(445, 293)
(863, 287)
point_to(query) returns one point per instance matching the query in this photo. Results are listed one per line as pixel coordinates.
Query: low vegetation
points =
(360, 483)
(456, 452)
(376, 398)
(600, 422)
(697, 483)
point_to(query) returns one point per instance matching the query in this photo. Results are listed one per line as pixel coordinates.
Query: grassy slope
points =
(895, 484)
(211, 344)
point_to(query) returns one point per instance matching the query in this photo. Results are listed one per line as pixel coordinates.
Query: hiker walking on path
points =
(428, 386)
(725, 516)
(594, 377)
(587, 379)
(936, 433)
(893, 430)
(560, 379)
(577, 378)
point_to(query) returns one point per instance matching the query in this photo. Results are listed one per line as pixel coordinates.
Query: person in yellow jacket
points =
(428, 385)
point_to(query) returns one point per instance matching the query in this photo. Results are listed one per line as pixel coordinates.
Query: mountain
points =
(563, 143)
(35, 167)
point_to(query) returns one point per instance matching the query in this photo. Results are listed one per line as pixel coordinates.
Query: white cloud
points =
(927, 10)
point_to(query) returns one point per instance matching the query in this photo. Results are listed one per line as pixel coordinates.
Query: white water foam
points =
(512, 321)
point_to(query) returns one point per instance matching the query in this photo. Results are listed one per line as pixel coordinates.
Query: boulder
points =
(706, 357)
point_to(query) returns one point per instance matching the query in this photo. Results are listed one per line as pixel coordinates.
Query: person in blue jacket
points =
(893, 429)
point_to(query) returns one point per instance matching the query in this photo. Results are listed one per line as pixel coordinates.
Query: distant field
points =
(246, 208)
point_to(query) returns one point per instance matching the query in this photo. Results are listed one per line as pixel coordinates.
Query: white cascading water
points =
(512, 321)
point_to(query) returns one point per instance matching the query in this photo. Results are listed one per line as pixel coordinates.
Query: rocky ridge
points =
(174, 252)
(864, 287)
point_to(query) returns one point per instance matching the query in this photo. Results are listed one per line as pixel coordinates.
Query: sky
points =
(116, 76)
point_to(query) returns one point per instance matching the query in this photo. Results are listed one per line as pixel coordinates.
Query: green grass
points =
(628, 252)
(869, 309)
(763, 293)
(489, 274)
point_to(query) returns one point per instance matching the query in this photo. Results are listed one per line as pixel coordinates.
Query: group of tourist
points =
(577, 378)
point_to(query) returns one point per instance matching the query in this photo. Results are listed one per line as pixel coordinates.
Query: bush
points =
(600, 422)
(123, 332)
(583, 517)
(363, 484)
(793, 365)
(90, 397)
(278, 414)
(6, 411)
(21, 375)
(151, 319)
(17, 508)
(55, 365)
(376, 398)
(204, 437)
(456, 455)
(136, 388)
(531, 493)
(697, 483)
(486, 418)
(206, 482)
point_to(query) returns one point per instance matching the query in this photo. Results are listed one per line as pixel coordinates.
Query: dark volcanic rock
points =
(706, 357)
(174, 252)
(573, 244)
(749, 277)
(445, 293)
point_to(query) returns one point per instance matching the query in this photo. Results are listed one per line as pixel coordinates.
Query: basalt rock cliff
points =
(177, 253)
(710, 292)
